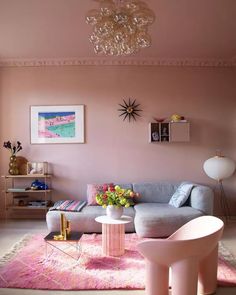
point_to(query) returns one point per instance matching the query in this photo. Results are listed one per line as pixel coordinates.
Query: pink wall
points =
(115, 150)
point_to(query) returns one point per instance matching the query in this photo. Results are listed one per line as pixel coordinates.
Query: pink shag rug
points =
(26, 266)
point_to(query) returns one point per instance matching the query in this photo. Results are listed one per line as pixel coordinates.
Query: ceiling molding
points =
(188, 62)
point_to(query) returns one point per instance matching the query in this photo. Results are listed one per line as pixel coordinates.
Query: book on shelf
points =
(16, 190)
(38, 203)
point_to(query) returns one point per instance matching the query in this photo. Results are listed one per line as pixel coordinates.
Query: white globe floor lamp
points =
(220, 168)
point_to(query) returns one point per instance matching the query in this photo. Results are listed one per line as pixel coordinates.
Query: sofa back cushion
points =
(93, 190)
(125, 185)
(181, 195)
(158, 192)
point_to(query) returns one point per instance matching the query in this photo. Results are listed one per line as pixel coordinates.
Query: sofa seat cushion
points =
(84, 221)
(154, 220)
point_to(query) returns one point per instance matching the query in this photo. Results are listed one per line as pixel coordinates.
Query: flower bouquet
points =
(13, 148)
(114, 198)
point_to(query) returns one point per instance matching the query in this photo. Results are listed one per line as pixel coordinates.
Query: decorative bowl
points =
(159, 120)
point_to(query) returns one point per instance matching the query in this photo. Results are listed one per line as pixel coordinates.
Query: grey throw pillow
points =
(181, 195)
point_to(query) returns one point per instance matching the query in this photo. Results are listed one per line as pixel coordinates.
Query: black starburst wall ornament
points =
(129, 110)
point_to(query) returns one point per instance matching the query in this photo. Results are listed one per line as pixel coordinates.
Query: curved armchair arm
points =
(166, 252)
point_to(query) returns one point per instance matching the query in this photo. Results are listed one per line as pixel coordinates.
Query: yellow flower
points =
(123, 201)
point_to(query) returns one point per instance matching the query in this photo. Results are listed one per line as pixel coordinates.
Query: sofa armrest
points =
(202, 198)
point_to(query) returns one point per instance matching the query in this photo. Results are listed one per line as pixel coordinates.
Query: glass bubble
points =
(109, 25)
(133, 5)
(140, 19)
(100, 30)
(119, 35)
(106, 11)
(98, 49)
(107, 7)
(114, 52)
(150, 16)
(92, 17)
(142, 5)
(94, 38)
(120, 17)
(143, 40)
(131, 29)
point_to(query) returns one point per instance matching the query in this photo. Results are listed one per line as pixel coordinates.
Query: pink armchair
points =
(191, 253)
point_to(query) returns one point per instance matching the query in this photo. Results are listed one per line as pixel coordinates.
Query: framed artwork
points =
(57, 124)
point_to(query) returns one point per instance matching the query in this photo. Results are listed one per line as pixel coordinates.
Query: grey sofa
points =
(152, 215)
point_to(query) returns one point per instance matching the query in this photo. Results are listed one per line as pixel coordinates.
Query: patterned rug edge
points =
(15, 248)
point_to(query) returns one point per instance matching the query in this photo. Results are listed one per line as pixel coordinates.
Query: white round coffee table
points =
(113, 234)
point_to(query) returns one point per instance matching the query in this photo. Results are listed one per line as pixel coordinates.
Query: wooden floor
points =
(12, 231)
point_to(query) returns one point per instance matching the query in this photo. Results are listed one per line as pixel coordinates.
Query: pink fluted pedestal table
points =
(113, 234)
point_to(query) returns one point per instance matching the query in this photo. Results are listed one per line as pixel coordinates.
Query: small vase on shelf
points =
(114, 212)
(14, 148)
(13, 170)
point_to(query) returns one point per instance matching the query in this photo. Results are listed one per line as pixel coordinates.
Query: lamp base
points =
(224, 202)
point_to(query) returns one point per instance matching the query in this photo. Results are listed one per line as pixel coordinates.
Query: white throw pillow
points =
(181, 195)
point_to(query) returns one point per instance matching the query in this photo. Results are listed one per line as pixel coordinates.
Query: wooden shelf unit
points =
(13, 187)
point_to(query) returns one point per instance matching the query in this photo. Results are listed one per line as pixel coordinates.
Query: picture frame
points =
(57, 124)
(37, 168)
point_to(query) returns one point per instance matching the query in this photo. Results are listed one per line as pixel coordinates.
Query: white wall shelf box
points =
(169, 132)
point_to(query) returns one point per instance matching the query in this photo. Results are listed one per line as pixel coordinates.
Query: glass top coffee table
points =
(68, 247)
(113, 234)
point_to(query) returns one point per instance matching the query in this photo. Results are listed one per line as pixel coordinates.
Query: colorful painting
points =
(57, 124)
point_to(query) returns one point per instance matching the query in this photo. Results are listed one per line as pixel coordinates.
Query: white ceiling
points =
(56, 29)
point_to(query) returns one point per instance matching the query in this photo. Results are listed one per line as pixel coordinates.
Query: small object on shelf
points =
(165, 138)
(21, 165)
(39, 168)
(68, 228)
(16, 190)
(13, 170)
(65, 228)
(155, 136)
(38, 185)
(38, 203)
(20, 200)
(58, 238)
(14, 148)
(176, 118)
(164, 132)
(159, 120)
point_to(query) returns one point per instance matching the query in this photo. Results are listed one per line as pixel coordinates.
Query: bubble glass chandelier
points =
(120, 27)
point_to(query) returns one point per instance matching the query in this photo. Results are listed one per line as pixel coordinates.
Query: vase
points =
(13, 170)
(114, 212)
